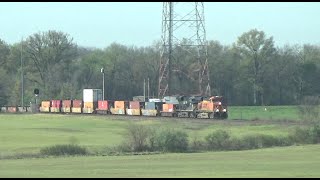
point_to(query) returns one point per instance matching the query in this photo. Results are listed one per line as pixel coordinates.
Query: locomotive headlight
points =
(224, 110)
(219, 103)
(217, 110)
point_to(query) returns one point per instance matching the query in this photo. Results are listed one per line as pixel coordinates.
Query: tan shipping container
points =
(149, 112)
(133, 112)
(76, 110)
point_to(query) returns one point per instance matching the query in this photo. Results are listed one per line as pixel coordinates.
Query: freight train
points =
(212, 107)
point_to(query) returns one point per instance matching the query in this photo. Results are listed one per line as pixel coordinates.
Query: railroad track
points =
(194, 120)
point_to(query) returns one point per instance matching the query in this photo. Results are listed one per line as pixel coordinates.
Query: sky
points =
(98, 24)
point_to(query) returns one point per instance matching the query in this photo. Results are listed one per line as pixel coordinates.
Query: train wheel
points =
(192, 115)
(211, 115)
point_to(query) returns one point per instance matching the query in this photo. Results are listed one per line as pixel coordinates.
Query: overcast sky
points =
(98, 24)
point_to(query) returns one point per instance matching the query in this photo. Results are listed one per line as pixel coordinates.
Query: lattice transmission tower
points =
(183, 27)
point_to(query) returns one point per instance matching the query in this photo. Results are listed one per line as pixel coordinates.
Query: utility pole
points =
(144, 89)
(22, 83)
(148, 89)
(102, 71)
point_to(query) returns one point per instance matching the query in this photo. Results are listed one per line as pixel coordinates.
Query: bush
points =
(197, 144)
(64, 149)
(218, 140)
(137, 137)
(258, 141)
(301, 136)
(171, 141)
(309, 109)
(307, 135)
(315, 133)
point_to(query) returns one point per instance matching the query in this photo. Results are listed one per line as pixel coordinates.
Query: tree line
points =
(251, 71)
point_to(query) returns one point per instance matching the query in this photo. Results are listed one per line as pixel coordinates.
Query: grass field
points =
(28, 133)
(295, 161)
(259, 112)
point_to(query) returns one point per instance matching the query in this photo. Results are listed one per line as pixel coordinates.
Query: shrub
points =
(197, 144)
(64, 149)
(315, 133)
(137, 136)
(254, 141)
(218, 140)
(306, 135)
(172, 141)
(301, 135)
(309, 109)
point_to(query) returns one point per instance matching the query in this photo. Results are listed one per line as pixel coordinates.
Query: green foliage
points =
(63, 150)
(306, 135)
(137, 136)
(170, 140)
(144, 138)
(217, 140)
(251, 71)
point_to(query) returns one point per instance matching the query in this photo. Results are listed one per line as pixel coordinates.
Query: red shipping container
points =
(134, 105)
(103, 105)
(66, 103)
(56, 103)
(77, 103)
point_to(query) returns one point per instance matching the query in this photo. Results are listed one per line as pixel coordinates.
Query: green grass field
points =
(259, 112)
(28, 133)
(295, 161)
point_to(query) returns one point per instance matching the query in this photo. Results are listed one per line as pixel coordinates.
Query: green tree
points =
(255, 47)
(51, 53)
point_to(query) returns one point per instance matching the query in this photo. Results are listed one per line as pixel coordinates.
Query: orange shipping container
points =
(119, 104)
(88, 105)
(45, 104)
(167, 107)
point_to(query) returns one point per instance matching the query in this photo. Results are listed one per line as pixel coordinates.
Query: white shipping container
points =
(92, 95)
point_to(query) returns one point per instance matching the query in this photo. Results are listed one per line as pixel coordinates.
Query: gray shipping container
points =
(171, 100)
(150, 105)
(92, 95)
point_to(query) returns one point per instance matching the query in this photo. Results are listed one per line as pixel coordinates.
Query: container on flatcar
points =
(90, 100)
(12, 109)
(3, 109)
(22, 109)
(119, 107)
(134, 108)
(55, 106)
(152, 108)
(92, 95)
(45, 106)
(103, 107)
(167, 107)
(89, 107)
(168, 110)
(66, 106)
(76, 106)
